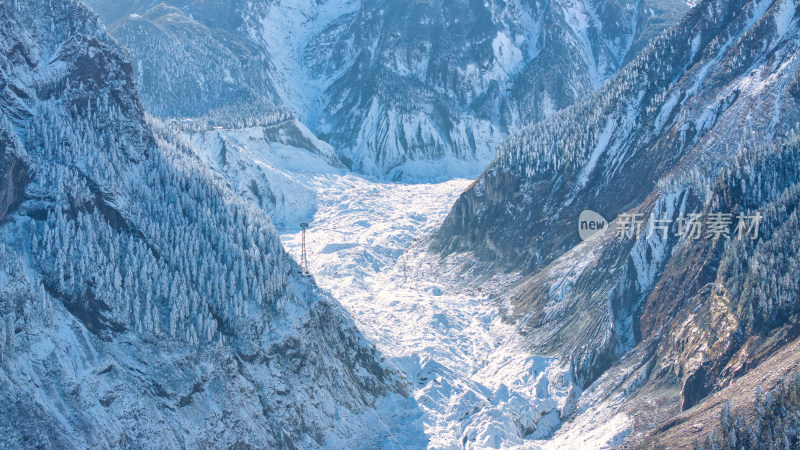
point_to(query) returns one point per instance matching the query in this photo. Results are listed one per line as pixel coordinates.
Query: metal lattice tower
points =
(303, 258)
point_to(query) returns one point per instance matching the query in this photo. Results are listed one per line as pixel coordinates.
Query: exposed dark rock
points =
(14, 174)
(13, 179)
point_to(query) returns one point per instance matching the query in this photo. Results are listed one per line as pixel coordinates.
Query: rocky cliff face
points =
(703, 121)
(405, 90)
(13, 171)
(142, 302)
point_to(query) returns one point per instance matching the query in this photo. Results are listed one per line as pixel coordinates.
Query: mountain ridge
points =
(467, 73)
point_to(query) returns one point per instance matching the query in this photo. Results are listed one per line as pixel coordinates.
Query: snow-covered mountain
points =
(142, 302)
(188, 57)
(259, 161)
(146, 299)
(704, 120)
(438, 80)
(401, 89)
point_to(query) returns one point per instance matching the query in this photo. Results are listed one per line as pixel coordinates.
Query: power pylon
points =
(303, 258)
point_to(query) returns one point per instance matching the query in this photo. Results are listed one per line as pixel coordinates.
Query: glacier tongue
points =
(475, 384)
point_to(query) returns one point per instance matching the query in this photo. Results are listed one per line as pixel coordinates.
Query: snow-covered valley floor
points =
(474, 384)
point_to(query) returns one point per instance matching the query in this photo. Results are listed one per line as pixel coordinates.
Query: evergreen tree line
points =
(154, 240)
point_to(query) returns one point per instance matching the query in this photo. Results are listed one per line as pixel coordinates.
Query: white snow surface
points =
(285, 29)
(475, 384)
(471, 379)
(263, 169)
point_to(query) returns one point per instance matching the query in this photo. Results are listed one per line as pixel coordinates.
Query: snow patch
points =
(506, 53)
(599, 149)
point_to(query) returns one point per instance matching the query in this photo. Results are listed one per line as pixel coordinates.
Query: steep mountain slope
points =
(142, 302)
(402, 84)
(703, 121)
(678, 101)
(258, 161)
(401, 89)
(189, 58)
